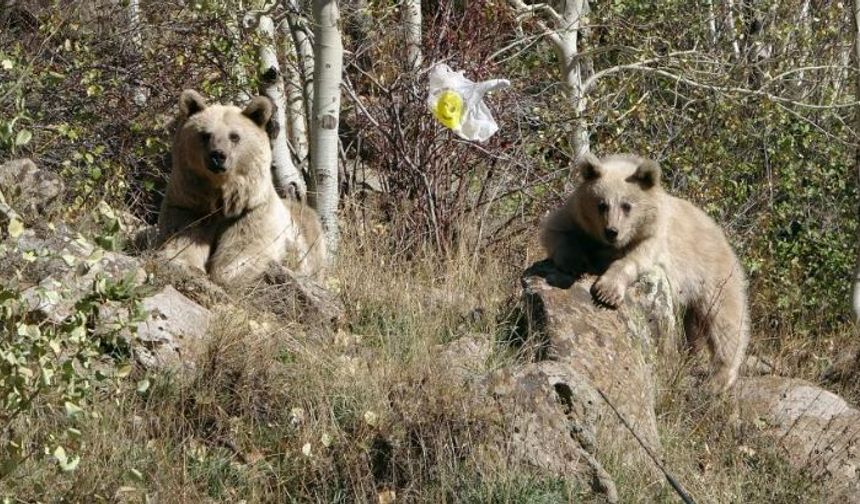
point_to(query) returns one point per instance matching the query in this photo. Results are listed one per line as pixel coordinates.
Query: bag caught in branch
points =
(457, 102)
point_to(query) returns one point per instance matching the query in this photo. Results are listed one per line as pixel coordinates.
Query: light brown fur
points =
(221, 213)
(622, 196)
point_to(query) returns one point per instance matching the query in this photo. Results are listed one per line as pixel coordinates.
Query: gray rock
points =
(288, 294)
(816, 430)
(612, 350)
(466, 358)
(553, 416)
(757, 366)
(67, 266)
(7, 213)
(29, 190)
(549, 416)
(174, 332)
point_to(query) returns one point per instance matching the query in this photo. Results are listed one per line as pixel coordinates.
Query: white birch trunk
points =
(305, 52)
(328, 58)
(412, 20)
(138, 92)
(240, 77)
(567, 47)
(855, 304)
(712, 23)
(296, 112)
(287, 179)
(564, 33)
(732, 29)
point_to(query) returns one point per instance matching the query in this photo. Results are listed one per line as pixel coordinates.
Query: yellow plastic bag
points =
(457, 102)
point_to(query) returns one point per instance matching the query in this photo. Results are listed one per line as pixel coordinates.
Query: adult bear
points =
(221, 213)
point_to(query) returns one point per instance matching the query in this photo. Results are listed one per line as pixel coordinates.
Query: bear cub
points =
(221, 214)
(619, 223)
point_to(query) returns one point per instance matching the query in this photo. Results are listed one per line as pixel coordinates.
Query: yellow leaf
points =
(15, 228)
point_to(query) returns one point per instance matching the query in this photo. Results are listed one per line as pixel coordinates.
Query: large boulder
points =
(614, 351)
(63, 267)
(554, 407)
(549, 415)
(174, 332)
(27, 189)
(816, 431)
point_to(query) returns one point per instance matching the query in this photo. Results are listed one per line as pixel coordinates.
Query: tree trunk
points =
(287, 179)
(712, 23)
(567, 47)
(296, 108)
(305, 52)
(328, 59)
(412, 21)
(856, 18)
(138, 92)
(731, 28)
(234, 26)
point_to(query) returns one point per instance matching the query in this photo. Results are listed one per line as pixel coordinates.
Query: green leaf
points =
(23, 137)
(123, 371)
(70, 465)
(60, 454)
(72, 409)
(143, 385)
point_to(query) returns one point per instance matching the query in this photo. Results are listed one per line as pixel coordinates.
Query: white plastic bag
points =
(456, 102)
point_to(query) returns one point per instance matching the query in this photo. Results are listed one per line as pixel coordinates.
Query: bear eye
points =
(626, 207)
(205, 136)
(234, 137)
(602, 207)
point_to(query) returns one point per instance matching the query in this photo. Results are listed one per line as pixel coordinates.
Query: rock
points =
(29, 190)
(816, 430)
(756, 366)
(551, 414)
(66, 267)
(613, 351)
(288, 294)
(7, 213)
(466, 358)
(174, 332)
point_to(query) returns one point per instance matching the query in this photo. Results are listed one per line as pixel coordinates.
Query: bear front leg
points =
(184, 239)
(610, 288)
(247, 247)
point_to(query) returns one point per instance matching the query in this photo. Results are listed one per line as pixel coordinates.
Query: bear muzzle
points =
(217, 161)
(611, 234)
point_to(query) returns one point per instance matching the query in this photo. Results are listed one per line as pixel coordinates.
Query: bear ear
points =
(190, 103)
(589, 167)
(647, 174)
(260, 111)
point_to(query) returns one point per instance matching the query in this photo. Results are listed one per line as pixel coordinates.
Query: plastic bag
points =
(456, 102)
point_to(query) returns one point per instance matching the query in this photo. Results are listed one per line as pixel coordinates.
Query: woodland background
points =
(750, 106)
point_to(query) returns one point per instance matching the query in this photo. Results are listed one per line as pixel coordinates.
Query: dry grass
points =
(284, 412)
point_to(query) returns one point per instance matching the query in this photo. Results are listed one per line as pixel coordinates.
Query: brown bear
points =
(620, 222)
(221, 214)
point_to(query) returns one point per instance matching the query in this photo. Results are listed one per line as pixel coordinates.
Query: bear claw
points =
(607, 293)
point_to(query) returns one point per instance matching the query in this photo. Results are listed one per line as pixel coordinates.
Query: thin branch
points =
(643, 66)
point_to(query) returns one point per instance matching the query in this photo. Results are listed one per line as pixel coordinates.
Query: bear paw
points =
(608, 291)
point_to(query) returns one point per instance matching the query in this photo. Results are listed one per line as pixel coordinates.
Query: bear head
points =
(218, 142)
(617, 200)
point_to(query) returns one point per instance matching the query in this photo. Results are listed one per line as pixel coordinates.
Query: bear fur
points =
(221, 214)
(619, 223)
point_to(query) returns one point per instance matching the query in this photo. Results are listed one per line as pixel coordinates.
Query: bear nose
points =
(216, 161)
(611, 233)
